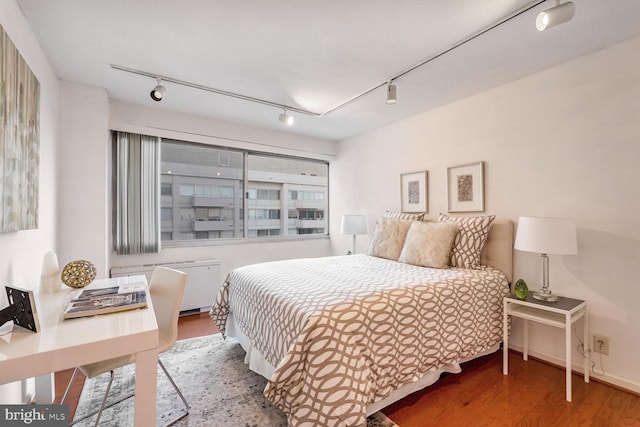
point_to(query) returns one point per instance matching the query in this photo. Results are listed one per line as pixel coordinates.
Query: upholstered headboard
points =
(498, 252)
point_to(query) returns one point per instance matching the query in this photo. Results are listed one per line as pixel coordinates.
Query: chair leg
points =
(174, 385)
(66, 392)
(104, 399)
(102, 404)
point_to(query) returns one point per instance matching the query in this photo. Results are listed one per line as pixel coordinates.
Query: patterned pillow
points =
(407, 216)
(388, 238)
(428, 244)
(470, 240)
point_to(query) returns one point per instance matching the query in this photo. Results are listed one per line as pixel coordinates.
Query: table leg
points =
(146, 388)
(567, 328)
(587, 347)
(525, 347)
(45, 389)
(505, 339)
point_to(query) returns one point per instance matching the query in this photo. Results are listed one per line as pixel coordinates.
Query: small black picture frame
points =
(22, 309)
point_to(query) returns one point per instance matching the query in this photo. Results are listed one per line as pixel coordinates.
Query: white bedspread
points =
(343, 332)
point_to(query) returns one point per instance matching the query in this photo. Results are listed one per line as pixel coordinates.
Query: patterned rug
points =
(214, 379)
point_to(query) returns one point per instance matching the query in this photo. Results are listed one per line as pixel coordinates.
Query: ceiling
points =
(313, 54)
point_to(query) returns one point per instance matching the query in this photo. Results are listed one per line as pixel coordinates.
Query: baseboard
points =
(612, 380)
(195, 311)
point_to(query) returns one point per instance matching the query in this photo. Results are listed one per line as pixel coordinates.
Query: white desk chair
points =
(166, 289)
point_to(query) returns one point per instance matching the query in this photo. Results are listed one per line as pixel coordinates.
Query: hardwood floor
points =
(532, 394)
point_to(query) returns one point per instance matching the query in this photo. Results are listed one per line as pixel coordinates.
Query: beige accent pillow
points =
(473, 232)
(428, 244)
(402, 215)
(388, 238)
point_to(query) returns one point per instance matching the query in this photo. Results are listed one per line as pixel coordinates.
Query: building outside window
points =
(203, 197)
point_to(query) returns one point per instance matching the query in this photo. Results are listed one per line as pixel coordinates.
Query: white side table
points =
(561, 314)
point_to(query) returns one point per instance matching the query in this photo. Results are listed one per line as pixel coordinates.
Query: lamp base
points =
(546, 295)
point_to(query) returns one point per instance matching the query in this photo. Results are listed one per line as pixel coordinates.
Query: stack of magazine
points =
(91, 302)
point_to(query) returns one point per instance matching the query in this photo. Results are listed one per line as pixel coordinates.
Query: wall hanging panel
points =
(19, 140)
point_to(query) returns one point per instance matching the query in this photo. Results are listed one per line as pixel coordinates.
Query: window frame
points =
(244, 209)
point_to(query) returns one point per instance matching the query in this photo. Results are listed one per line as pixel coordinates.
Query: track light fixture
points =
(158, 92)
(285, 118)
(556, 15)
(391, 93)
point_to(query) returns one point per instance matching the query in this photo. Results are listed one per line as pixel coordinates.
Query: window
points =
(209, 182)
(203, 194)
(166, 214)
(311, 214)
(166, 189)
(303, 184)
(264, 214)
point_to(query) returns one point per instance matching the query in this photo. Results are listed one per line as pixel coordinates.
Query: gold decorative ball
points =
(78, 274)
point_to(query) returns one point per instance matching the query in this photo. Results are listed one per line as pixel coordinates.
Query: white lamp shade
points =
(546, 235)
(353, 224)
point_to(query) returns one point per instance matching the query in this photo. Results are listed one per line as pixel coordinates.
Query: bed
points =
(340, 338)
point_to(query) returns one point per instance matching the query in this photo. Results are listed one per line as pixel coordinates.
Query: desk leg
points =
(586, 347)
(567, 328)
(505, 339)
(45, 389)
(146, 388)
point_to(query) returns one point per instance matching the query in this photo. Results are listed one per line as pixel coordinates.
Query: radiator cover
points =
(203, 280)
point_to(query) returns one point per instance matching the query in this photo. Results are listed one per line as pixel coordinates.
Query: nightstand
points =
(561, 314)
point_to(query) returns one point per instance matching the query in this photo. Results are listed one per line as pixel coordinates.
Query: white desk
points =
(561, 314)
(66, 344)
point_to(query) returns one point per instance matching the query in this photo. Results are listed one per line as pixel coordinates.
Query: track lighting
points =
(391, 93)
(556, 15)
(158, 92)
(285, 118)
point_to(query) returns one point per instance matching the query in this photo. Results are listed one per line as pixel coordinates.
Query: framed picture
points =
(465, 188)
(19, 140)
(413, 191)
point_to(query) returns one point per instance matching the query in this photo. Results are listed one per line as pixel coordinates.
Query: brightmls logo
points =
(36, 415)
(27, 417)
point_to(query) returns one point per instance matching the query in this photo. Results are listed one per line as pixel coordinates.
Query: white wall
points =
(564, 142)
(21, 253)
(84, 176)
(154, 121)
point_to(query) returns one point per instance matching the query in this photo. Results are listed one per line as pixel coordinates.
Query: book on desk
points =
(92, 302)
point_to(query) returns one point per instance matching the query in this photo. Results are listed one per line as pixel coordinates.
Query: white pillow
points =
(388, 238)
(428, 244)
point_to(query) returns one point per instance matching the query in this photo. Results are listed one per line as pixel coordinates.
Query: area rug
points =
(214, 379)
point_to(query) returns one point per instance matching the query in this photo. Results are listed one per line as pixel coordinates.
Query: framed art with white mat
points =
(414, 192)
(465, 188)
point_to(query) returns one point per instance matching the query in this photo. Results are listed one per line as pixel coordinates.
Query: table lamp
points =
(354, 225)
(546, 236)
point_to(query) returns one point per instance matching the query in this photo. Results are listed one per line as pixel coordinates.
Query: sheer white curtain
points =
(137, 210)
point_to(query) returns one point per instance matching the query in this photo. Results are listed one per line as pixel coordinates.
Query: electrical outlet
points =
(601, 344)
